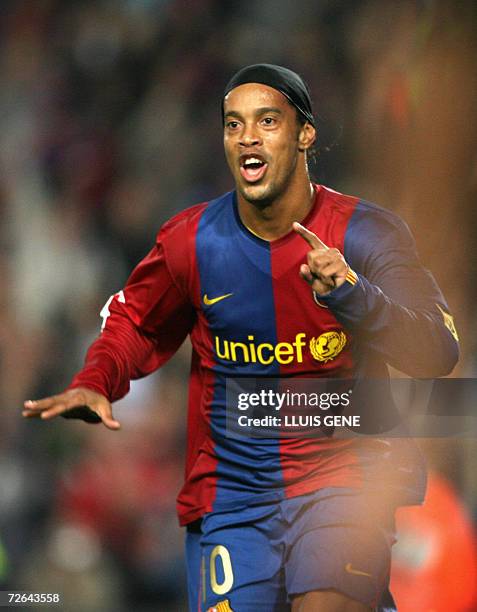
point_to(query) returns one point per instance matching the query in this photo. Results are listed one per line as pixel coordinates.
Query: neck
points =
(275, 220)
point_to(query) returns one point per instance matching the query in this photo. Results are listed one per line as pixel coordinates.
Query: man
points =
(262, 278)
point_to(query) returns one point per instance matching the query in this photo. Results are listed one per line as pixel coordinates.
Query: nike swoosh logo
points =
(350, 569)
(210, 301)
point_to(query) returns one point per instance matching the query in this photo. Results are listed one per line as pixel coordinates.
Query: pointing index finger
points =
(309, 236)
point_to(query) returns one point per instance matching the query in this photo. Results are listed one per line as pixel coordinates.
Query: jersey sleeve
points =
(392, 304)
(144, 325)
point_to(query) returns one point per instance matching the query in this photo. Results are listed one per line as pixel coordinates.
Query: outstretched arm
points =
(143, 327)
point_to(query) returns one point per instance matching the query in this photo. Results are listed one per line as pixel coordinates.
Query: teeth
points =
(252, 160)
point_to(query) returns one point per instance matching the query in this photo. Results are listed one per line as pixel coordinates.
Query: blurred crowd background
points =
(109, 124)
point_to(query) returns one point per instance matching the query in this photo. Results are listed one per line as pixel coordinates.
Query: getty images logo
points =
(323, 348)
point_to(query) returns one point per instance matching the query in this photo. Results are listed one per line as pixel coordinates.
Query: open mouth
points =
(252, 168)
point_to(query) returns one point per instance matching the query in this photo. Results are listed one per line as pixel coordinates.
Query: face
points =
(263, 141)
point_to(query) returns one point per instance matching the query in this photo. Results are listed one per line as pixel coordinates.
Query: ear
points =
(306, 137)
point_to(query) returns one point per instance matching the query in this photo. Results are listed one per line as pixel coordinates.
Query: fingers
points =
(319, 259)
(51, 407)
(44, 408)
(309, 236)
(306, 274)
(311, 278)
(47, 412)
(333, 270)
(42, 404)
(316, 283)
(327, 263)
(106, 415)
(326, 268)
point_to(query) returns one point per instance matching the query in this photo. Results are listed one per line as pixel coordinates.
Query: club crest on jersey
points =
(222, 606)
(327, 346)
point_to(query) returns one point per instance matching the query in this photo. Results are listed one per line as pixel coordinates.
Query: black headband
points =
(287, 82)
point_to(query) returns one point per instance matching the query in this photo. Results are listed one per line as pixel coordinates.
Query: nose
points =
(249, 136)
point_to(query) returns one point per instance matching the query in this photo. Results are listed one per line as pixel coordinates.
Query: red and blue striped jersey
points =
(249, 313)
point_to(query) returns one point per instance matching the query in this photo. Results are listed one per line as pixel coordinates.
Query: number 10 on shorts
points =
(220, 572)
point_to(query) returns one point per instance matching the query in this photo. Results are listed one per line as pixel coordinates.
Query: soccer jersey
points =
(249, 313)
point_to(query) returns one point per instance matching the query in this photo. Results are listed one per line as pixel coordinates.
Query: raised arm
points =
(379, 291)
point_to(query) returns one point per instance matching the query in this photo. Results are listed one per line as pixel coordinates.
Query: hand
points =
(326, 268)
(50, 407)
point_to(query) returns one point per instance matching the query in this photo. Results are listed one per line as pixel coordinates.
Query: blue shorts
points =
(256, 558)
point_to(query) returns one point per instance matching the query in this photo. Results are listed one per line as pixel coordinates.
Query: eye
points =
(232, 125)
(269, 121)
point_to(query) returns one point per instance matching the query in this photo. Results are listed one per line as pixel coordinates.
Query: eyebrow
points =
(259, 111)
